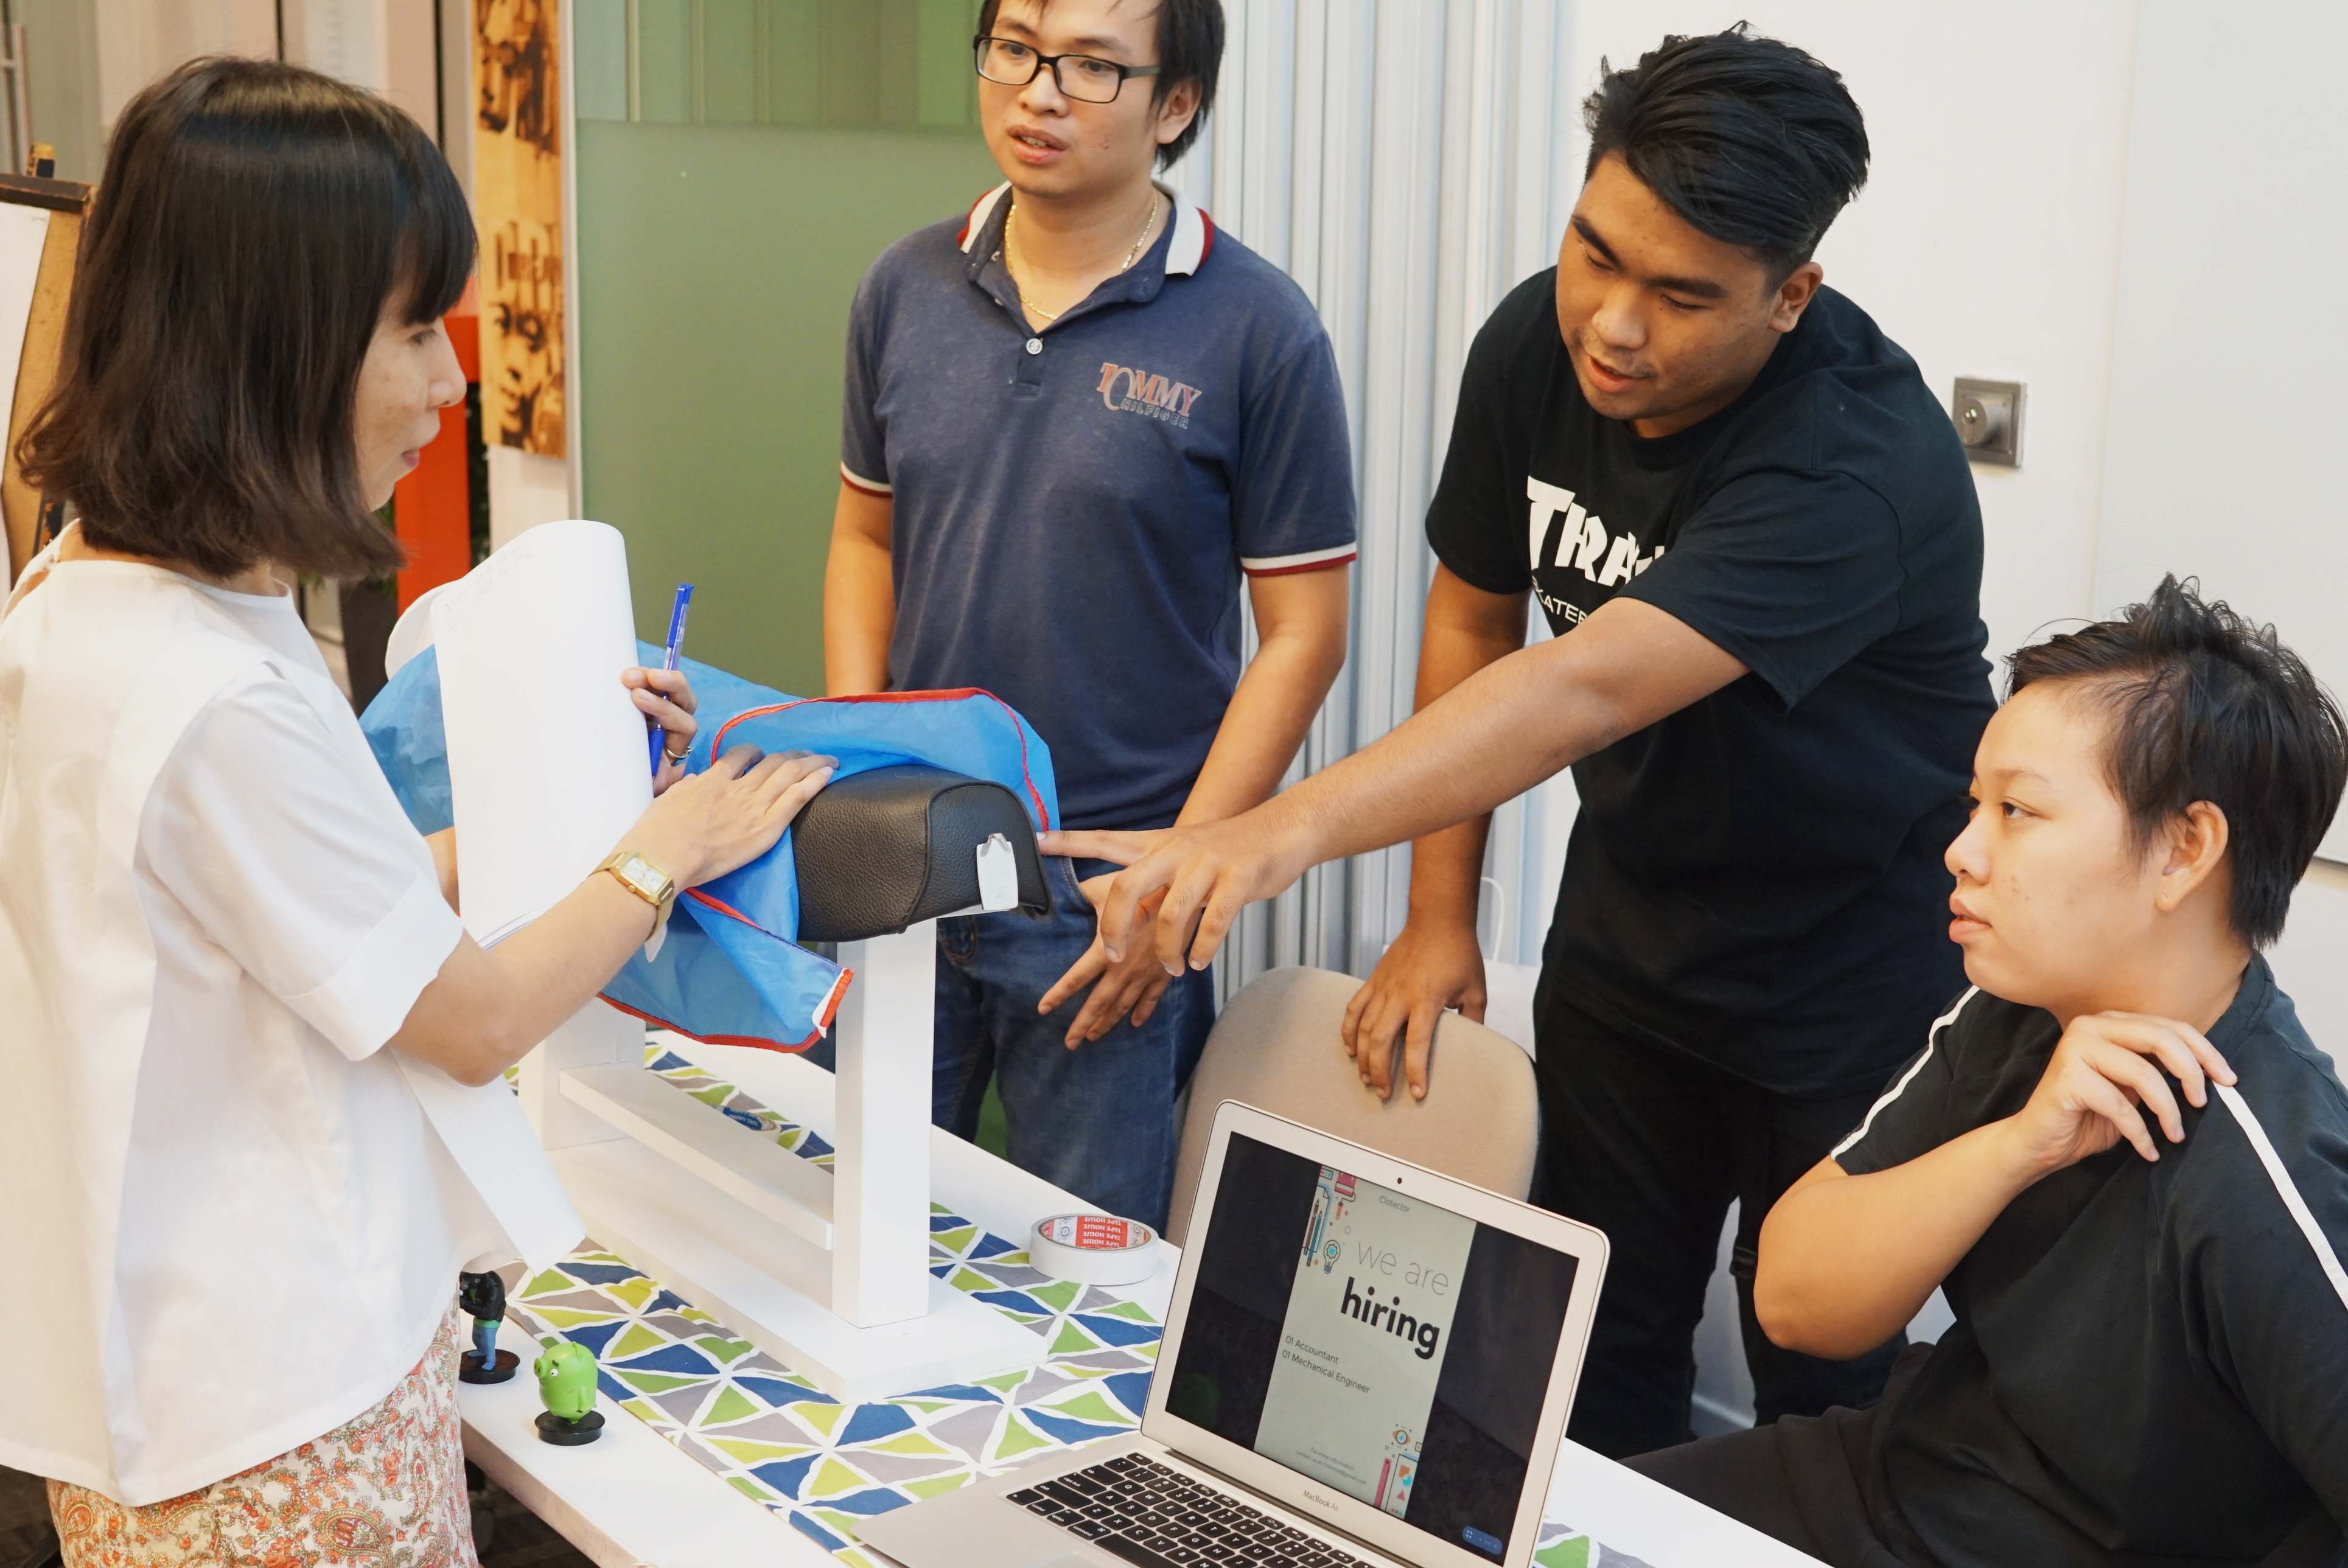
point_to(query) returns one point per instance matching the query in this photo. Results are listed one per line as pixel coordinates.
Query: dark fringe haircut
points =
(2204, 705)
(1751, 140)
(253, 222)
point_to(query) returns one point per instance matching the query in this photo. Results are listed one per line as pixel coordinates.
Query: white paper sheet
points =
(547, 758)
(411, 634)
(23, 231)
(487, 1134)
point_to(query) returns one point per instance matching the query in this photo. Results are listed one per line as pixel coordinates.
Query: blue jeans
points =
(1097, 1121)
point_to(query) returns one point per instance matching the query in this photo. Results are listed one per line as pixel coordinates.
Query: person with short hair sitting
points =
(2119, 1155)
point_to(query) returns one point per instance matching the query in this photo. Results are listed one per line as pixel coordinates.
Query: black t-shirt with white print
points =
(1756, 878)
(2149, 1363)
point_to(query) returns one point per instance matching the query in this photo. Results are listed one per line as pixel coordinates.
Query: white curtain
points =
(1408, 162)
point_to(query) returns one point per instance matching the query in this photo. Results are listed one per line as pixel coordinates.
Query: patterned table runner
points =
(823, 1465)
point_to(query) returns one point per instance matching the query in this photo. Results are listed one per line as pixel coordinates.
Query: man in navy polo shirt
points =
(1074, 418)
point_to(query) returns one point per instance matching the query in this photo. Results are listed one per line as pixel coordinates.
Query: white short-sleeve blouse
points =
(293, 1202)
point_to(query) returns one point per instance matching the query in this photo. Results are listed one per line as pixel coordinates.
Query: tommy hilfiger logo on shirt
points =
(1122, 386)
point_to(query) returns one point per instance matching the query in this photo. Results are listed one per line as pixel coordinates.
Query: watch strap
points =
(618, 863)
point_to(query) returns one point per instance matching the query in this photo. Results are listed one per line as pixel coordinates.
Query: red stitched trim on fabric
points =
(1026, 777)
(751, 1040)
(823, 1019)
(831, 1003)
(957, 693)
(722, 908)
(1308, 566)
(1206, 246)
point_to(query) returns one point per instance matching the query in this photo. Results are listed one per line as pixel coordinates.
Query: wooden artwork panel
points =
(518, 202)
(36, 373)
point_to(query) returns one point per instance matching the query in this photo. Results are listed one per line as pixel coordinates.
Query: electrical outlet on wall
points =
(1988, 417)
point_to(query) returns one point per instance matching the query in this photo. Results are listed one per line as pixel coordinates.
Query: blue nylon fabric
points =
(717, 978)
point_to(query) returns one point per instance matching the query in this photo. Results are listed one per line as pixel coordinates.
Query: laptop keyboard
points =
(1151, 1515)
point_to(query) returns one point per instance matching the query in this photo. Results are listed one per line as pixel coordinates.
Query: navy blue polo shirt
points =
(1073, 510)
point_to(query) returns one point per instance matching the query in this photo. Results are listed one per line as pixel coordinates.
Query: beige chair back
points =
(1277, 1048)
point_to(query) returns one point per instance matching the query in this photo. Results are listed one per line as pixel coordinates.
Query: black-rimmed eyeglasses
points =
(1088, 79)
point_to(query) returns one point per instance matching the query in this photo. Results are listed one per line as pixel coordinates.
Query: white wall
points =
(390, 47)
(2225, 402)
(526, 490)
(2226, 370)
(345, 38)
(89, 57)
(2224, 398)
(411, 59)
(138, 40)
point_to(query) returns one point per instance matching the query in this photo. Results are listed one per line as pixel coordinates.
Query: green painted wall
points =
(61, 45)
(721, 238)
(876, 63)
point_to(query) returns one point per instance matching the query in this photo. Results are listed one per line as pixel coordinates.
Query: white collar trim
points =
(1189, 244)
(1183, 254)
(980, 212)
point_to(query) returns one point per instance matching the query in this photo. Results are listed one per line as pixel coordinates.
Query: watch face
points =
(640, 873)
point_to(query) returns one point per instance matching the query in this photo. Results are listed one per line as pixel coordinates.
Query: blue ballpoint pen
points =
(659, 738)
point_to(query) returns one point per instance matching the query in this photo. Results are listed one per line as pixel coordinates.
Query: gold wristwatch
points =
(643, 879)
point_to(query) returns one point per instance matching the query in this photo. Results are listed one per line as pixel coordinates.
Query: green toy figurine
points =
(566, 1383)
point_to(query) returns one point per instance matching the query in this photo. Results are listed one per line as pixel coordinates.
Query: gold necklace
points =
(1149, 217)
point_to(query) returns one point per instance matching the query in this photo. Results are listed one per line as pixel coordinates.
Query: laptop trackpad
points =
(970, 1529)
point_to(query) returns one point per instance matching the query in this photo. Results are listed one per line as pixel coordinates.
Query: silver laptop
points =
(1364, 1363)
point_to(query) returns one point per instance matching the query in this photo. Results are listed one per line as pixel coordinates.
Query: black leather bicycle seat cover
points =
(889, 848)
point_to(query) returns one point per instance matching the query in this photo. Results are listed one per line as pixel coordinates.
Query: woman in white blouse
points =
(247, 1055)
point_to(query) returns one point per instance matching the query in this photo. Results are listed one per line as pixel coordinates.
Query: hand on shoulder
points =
(2109, 1071)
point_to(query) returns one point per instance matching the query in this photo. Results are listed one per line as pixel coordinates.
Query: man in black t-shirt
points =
(2119, 1155)
(1754, 531)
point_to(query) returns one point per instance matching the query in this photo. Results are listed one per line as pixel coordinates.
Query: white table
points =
(633, 1499)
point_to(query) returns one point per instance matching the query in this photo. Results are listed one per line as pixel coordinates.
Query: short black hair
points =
(1190, 49)
(1751, 140)
(2206, 706)
(254, 221)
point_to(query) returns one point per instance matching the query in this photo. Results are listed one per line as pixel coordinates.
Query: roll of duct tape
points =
(1096, 1249)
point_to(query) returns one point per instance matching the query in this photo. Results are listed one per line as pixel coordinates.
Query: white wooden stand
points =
(829, 1272)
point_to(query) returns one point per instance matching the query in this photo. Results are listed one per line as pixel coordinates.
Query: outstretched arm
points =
(1499, 733)
(1300, 621)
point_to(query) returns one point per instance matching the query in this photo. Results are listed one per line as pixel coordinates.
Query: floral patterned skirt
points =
(384, 1490)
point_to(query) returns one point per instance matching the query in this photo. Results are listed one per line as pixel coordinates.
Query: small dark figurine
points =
(566, 1385)
(484, 1295)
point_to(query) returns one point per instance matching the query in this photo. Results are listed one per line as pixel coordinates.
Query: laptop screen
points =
(1371, 1341)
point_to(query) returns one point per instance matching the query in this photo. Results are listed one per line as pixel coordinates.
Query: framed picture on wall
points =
(517, 202)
